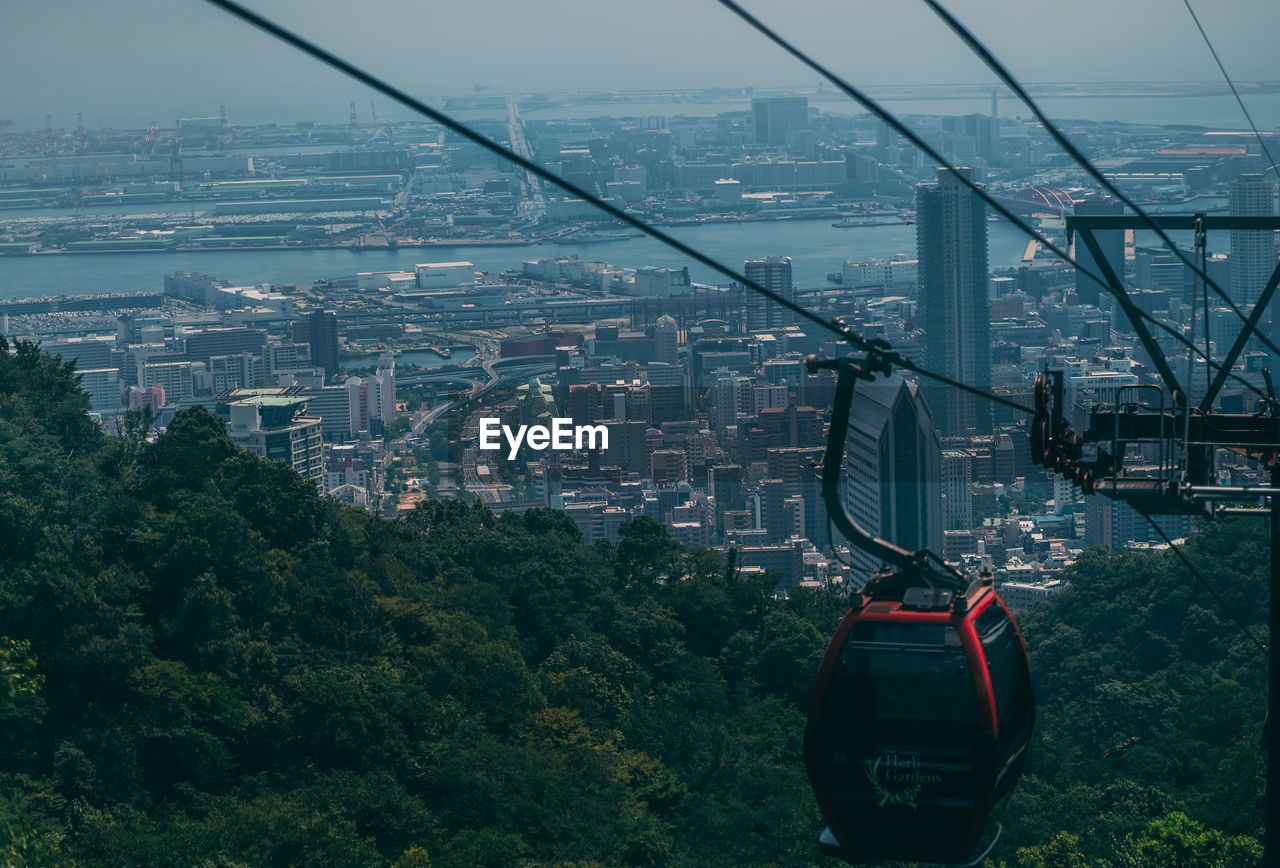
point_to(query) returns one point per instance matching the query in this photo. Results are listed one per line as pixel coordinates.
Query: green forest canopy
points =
(208, 664)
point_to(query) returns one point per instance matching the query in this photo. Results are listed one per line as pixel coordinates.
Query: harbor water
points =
(815, 247)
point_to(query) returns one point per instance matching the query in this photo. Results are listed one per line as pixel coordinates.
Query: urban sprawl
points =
(375, 384)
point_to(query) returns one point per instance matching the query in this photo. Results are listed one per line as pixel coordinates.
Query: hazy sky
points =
(125, 62)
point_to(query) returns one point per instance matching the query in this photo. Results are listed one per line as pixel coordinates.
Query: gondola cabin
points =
(919, 722)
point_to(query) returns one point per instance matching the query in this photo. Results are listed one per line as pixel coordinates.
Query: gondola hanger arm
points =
(924, 563)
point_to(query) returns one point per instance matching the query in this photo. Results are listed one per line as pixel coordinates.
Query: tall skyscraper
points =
(774, 274)
(320, 330)
(794, 466)
(1088, 290)
(775, 116)
(893, 486)
(726, 487)
(666, 339)
(382, 399)
(1253, 254)
(729, 399)
(957, 476)
(951, 244)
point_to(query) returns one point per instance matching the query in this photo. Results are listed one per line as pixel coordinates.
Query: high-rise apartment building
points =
(1253, 254)
(340, 409)
(775, 518)
(235, 370)
(794, 466)
(87, 354)
(669, 392)
(152, 397)
(951, 243)
(381, 400)
(669, 466)
(102, 385)
(957, 477)
(173, 376)
(774, 274)
(729, 399)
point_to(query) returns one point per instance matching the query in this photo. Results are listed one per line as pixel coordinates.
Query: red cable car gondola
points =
(920, 719)
(922, 709)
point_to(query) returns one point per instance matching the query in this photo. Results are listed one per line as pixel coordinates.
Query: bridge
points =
(533, 205)
(1033, 201)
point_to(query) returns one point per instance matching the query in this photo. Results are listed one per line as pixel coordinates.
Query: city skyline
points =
(206, 58)
(726, 388)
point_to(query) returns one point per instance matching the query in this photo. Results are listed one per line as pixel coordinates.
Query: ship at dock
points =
(857, 223)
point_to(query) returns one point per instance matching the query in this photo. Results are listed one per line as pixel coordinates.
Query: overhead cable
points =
(286, 35)
(1231, 84)
(906, 132)
(350, 69)
(1177, 550)
(1013, 84)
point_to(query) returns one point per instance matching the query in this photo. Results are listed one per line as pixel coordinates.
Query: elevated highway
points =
(497, 371)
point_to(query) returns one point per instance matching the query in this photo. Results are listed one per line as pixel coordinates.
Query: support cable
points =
(285, 35)
(872, 106)
(1013, 84)
(882, 358)
(903, 130)
(1204, 293)
(1231, 84)
(1199, 577)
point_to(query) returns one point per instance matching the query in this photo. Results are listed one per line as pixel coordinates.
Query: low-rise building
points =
(277, 428)
(1021, 596)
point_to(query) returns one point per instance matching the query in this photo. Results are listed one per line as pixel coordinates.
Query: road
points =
(533, 205)
(496, 370)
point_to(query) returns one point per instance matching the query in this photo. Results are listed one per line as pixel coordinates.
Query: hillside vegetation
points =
(208, 664)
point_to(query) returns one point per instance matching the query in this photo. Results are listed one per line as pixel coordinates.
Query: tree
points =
(646, 551)
(1178, 841)
(195, 443)
(239, 671)
(17, 669)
